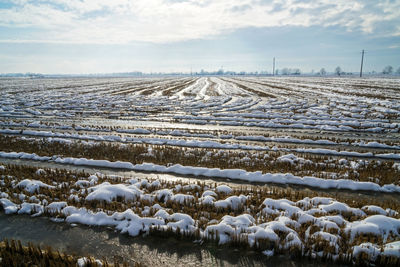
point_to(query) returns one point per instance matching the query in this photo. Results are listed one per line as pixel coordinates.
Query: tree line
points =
(388, 70)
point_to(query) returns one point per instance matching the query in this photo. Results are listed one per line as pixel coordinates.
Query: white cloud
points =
(161, 21)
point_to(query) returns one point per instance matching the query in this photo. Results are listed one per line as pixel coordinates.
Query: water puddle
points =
(104, 243)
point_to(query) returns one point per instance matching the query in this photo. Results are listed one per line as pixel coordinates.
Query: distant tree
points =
(285, 71)
(398, 71)
(338, 71)
(322, 72)
(276, 72)
(388, 70)
(296, 71)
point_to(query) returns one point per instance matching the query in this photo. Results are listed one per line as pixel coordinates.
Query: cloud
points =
(165, 21)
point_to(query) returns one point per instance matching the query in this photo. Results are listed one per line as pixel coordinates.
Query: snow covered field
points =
(330, 104)
(308, 225)
(330, 133)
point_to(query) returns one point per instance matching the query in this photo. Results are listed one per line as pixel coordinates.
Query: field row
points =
(306, 103)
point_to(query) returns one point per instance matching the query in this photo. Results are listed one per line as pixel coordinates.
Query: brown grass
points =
(13, 253)
(264, 161)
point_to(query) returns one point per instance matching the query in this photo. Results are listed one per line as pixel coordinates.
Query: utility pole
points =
(273, 67)
(362, 61)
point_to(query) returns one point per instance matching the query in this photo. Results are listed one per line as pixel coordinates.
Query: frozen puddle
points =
(101, 242)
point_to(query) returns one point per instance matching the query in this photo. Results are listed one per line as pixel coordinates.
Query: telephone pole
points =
(362, 61)
(273, 67)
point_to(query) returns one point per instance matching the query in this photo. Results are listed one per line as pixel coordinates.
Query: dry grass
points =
(256, 194)
(264, 161)
(13, 253)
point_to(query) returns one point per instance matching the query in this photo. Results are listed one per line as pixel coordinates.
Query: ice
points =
(223, 189)
(110, 192)
(374, 209)
(392, 249)
(30, 208)
(209, 193)
(182, 198)
(209, 200)
(164, 195)
(268, 253)
(181, 221)
(292, 159)
(369, 249)
(161, 214)
(56, 207)
(341, 208)
(378, 225)
(281, 204)
(8, 206)
(233, 202)
(292, 240)
(32, 186)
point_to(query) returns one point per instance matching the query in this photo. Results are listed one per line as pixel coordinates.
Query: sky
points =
(108, 36)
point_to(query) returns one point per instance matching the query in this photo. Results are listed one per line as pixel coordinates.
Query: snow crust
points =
(32, 186)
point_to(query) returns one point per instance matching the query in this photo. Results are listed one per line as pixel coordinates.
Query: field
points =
(302, 165)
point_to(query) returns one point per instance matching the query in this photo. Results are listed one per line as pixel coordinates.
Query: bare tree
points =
(322, 72)
(285, 71)
(296, 71)
(338, 71)
(388, 70)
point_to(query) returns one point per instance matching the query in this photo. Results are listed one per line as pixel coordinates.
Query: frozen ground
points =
(290, 120)
(339, 133)
(355, 105)
(318, 227)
